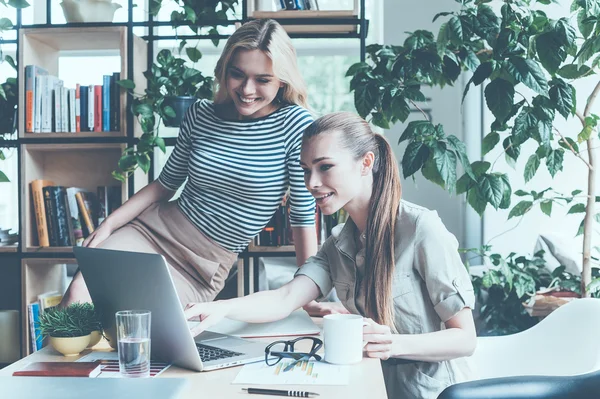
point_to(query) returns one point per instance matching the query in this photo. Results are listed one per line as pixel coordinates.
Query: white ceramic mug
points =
(343, 338)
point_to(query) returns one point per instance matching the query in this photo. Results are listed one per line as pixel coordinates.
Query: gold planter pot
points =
(70, 346)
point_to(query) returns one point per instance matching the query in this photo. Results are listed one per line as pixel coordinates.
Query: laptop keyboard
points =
(208, 353)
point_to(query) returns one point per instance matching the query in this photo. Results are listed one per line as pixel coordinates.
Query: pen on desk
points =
(281, 392)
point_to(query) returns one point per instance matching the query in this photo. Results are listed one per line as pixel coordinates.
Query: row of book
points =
(278, 231)
(52, 107)
(299, 4)
(34, 310)
(65, 216)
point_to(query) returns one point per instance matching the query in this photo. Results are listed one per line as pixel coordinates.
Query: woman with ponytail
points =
(393, 262)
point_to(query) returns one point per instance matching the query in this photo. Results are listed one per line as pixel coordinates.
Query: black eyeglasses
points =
(278, 350)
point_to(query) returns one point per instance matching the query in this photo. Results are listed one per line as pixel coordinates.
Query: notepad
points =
(297, 323)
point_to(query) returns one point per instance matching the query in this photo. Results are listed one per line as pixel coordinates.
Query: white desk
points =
(366, 378)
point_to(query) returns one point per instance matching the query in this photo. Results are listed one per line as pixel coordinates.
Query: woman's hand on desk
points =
(319, 309)
(210, 313)
(98, 236)
(378, 339)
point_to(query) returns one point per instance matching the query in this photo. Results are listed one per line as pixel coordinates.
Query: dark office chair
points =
(583, 386)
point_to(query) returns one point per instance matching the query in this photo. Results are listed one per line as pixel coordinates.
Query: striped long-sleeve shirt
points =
(238, 172)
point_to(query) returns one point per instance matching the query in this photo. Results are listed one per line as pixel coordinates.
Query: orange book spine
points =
(29, 111)
(39, 209)
(85, 212)
(77, 109)
(97, 108)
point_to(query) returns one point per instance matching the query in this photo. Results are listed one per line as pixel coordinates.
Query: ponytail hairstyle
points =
(358, 137)
(269, 37)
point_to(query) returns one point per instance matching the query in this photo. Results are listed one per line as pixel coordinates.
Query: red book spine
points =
(97, 108)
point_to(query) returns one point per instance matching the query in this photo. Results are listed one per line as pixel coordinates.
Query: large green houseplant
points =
(509, 47)
(168, 78)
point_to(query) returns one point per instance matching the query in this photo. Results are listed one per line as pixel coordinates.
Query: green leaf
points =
(380, 120)
(477, 201)
(549, 51)
(482, 73)
(442, 39)
(357, 67)
(489, 142)
(533, 163)
(445, 161)
(127, 162)
(160, 143)
(580, 229)
(193, 54)
(5, 24)
(431, 173)
(520, 209)
(455, 31)
(461, 151)
(546, 207)
(570, 141)
(169, 111)
(507, 192)
(554, 161)
(365, 98)
(400, 109)
(529, 73)
(577, 208)
(126, 84)
(18, 3)
(3, 178)
(464, 184)
(499, 96)
(492, 188)
(584, 26)
(572, 71)
(415, 155)
(521, 193)
(480, 167)
(145, 110)
(471, 61)
(561, 94)
(415, 129)
(144, 162)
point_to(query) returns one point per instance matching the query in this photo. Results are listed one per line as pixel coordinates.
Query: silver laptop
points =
(120, 280)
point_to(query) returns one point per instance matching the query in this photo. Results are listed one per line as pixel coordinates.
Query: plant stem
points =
(572, 149)
(423, 112)
(586, 273)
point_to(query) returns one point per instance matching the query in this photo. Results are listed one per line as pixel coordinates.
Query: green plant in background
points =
(511, 282)
(75, 320)
(517, 47)
(8, 89)
(168, 76)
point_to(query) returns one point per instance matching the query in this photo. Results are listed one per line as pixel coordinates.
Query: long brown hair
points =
(358, 137)
(269, 37)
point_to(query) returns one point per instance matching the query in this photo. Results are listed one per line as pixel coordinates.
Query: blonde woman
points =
(393, 262)
(239, 154)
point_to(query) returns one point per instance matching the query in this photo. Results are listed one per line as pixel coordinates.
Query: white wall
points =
(445, 108)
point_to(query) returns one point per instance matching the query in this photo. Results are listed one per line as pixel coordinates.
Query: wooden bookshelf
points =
(9, 248)
(71, 165)
(37, 277)
(43, 47)
(309, 14)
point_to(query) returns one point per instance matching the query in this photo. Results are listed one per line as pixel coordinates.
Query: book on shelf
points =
(48, 300)
(32, 73)
(33, 311)
(58, 215)
(39, 209)
(60, 369)
(50, 106)
(85, 200)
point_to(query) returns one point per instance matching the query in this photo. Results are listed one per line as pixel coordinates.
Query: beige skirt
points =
(198, 265)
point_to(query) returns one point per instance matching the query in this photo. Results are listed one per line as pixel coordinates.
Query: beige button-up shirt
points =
(431, 285)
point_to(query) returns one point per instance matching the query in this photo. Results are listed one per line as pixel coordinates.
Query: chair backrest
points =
(564, 343)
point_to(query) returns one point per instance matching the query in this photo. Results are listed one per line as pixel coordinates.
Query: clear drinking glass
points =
(133, 337)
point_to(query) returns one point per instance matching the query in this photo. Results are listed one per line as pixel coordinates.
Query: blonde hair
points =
(358, 137)
(269, 37)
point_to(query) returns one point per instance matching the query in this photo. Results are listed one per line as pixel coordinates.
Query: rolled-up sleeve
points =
(317, 269)
(439, 264)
